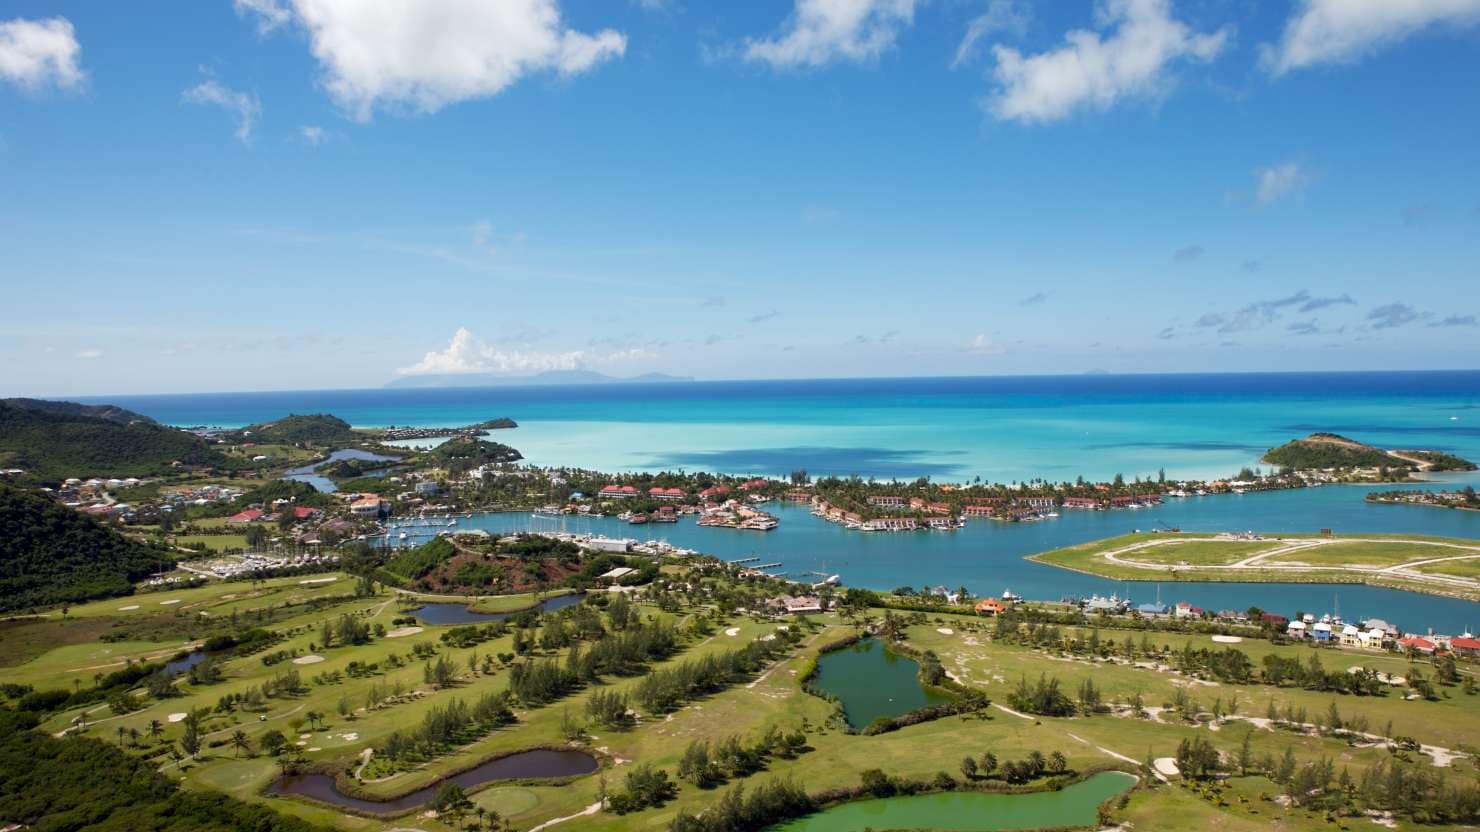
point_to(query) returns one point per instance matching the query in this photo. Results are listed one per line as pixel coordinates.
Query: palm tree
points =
(240, 743)
(133, 737)
(313, 718)
(121, 732)
(155, 729)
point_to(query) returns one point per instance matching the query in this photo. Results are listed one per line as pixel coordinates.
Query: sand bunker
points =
(308, 660)
(171, 601)
(402, 632)
(1227, 639)
(129, 607)
(1167, 766)
(319, 581)
(177, 717)
(945, 631)
(733, 631)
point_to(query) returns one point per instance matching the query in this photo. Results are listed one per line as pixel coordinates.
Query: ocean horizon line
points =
(623, 383)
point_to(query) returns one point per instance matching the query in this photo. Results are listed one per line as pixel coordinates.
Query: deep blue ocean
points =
(952, 429)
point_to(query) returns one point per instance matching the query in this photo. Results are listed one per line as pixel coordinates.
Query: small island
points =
(1350, 459)
(1464, 499)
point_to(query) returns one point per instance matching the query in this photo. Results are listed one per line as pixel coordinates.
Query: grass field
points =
(774, 697)
(1189, 556)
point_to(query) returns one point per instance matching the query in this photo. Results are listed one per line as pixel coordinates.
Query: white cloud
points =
(38, 53)
(313, 134)
(467, 353)
(1333, 31)
(1001, 15)
(1094, 71)
(984, 345)
(423, 56)
(244, 106)
(819, 32)
(1279, 181)
(88, 355)
(271, 14)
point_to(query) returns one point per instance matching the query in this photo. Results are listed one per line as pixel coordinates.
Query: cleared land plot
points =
(1201, 552)
(1366, 553)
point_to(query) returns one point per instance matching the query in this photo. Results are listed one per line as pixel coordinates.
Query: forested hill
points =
(86, 785)
(53, 555)
(108, 412)
(314, 429)
(1331, 450)
(51, 446)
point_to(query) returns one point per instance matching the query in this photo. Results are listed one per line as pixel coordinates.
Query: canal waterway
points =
(986, 557)
(541, 763)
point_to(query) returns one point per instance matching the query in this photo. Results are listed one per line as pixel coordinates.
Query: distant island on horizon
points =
(549, 377)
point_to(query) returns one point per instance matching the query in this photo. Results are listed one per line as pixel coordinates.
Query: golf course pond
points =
(442, 614)
(1075, 805)
(539, 763)
(871, 681)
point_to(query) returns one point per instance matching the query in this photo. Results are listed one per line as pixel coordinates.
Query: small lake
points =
(871, 681)
(306, 473)
(540, 763)
(441, 614)
(183, 664)
(1076, 805)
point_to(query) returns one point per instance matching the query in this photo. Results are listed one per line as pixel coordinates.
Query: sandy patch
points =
(945, 631)
(308, 659)
(177, 717)
(733, 631)
(129, 607)
(402, 632)
(350, 737)
(171, 601)
(319, 581)
(1167, 766)
(1227, 639)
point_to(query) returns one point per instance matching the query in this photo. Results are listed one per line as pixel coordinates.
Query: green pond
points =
(871, 681)
(1076, 805)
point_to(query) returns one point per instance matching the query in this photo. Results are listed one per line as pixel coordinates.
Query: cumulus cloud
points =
(467, 353)
(243, 106)
(1001, 16)
(36, 54)
(1392, 316)
(1276, 182)
(820, 32)
(1457, 320)
(424, 56)
(1133, 58)
(1187, 254)
(1340, 31)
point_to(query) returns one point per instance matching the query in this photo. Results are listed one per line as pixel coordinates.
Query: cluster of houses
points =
(253, 563)
(714, 505)
(796, 605)
(917, 513)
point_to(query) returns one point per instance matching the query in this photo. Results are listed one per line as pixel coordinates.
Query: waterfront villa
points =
(659, 493)
(366, 505)
(1082, 502)
(990, 606)
(886, 501)
(796, 604)
(617, 492)
(1418, 644)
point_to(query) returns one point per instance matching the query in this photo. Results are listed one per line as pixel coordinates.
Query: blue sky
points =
(287, 194)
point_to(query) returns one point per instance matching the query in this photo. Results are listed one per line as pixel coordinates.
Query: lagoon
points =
(1075, 805)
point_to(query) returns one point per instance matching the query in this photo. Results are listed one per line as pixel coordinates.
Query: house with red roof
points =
(990, 606)
(1418, 644)
(251, 515)
(658, 493)
(752, 485)
(714, 491)
(617, 491)
(1465, 645)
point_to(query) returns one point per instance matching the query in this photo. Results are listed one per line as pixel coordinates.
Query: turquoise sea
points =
(998, 428)
(1001, 429)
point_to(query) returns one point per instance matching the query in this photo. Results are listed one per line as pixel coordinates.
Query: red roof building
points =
(666, 493)
(1465, 645)
(618, 491)
(251, 515)
(714, 491)
(1417, 643)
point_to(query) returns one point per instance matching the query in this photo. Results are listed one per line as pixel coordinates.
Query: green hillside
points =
(109, 412)
(54, 555)
(472, 451)
(53, 445)
(312, 429)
